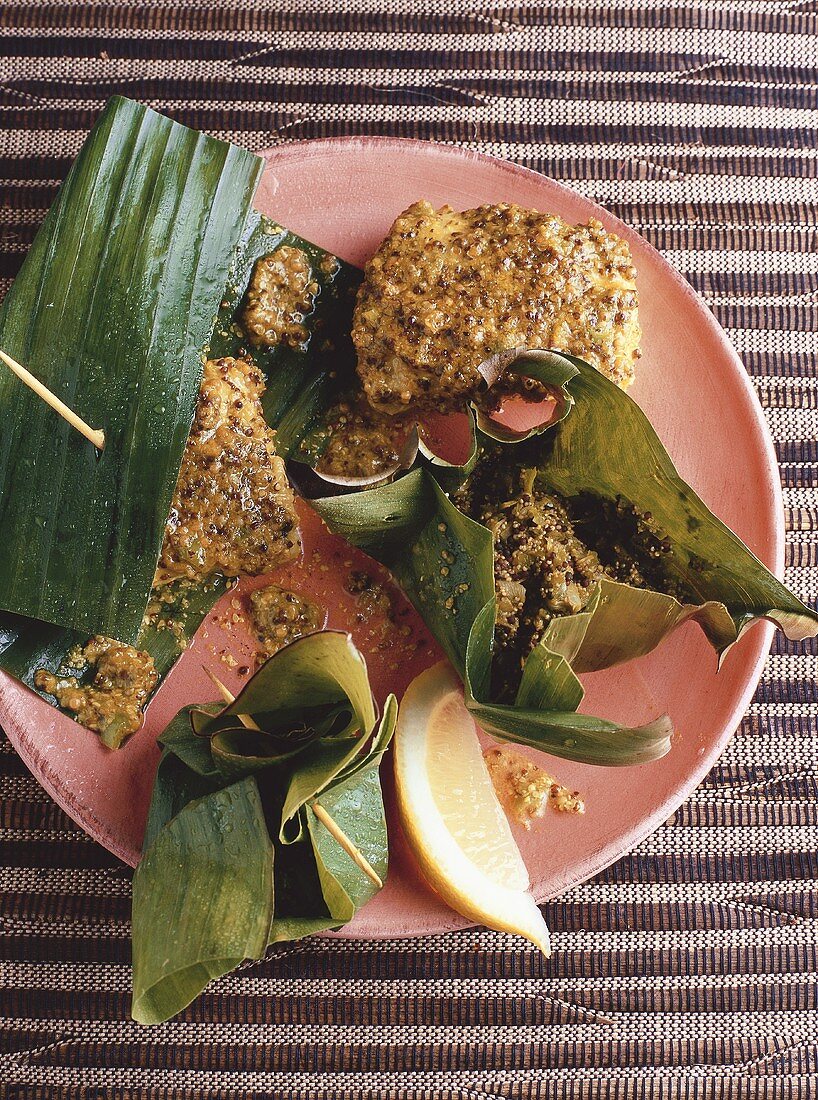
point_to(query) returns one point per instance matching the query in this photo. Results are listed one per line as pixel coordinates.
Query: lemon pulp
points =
(450, 813)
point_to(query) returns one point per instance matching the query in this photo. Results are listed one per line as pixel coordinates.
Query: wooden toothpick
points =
(338, 834)
(93, 435)
(329, 823)
(229, 698)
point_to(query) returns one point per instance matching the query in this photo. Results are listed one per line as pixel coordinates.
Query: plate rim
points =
(762, 634)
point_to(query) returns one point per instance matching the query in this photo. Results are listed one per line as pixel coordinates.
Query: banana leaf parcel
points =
(112, 310)
(603, 458)
(140, 280)
(235, 858)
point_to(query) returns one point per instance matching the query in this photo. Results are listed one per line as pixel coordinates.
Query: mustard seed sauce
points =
(446, 290)
(233, 509)
(111, 704)
(549, 554)
(362, 442)
(280, 296)
(525, 790)
(541, 568)
(371, 597)
(279, 616)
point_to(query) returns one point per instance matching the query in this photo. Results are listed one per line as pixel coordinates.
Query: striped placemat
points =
(686, 970)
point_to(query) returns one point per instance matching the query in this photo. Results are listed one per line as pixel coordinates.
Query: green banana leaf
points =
(198, 889)
(554, 371)
(445, 563)
(550, 691)
(186, 772)
(356, 804)
(542, 715)
(323, 674)
(601, 451)
(580, 737)
(27, 645)
(112, 309)
(202, 899)
(318, 887)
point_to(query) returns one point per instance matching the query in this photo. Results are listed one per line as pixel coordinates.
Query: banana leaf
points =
(319, 676)
(27, 645)
(199, 896)
(554, 373)
(202, 899)
(445, 563)
(186, 772)
(552, 370)
(356, 805)
(112, 309)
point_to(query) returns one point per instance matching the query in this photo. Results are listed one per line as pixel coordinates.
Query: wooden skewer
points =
(337, 833)
(329, 823)
(229, 698)
(93, 435)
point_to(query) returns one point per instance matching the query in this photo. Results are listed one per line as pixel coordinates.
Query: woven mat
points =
(688, 969)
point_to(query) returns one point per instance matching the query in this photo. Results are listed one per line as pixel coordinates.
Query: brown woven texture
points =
(686, 970)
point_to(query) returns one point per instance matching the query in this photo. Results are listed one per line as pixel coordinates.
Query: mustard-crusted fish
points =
(233, 509)
(446, 290)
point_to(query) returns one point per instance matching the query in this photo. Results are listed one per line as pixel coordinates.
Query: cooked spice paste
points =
(361, 442)
(372, 598)
(279, 616)
(525, 790)
(446, 290)
(111, 703)
(549, 555)
(281, 295)
(233, 509)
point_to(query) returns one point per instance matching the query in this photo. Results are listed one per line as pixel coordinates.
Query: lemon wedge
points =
(451, 816)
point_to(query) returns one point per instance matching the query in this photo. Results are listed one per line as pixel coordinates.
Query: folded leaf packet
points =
(160, 278)
(112, 310)
(659, 555)
(235, 858)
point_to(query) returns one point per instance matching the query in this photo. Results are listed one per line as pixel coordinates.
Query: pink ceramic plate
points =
(343, 194)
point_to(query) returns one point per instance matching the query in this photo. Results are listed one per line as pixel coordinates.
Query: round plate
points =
(343, 195)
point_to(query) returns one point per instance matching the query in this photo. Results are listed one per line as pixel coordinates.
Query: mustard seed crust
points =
(233, 510)
(112, 703)
(446, 290)
(279, 616)
(526, 790)
(361, 442)
(280, 296)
